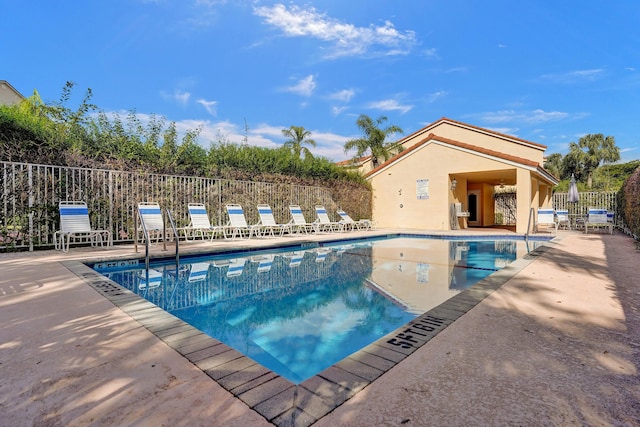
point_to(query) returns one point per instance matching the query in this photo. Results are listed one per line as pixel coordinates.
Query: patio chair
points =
(361, 224)
(151, 220)
(562, 216)
(546, 217)
(237, 225)
(298, 222)
(75, 224)
(268, 223)
(200, 224)
(597, 218)
(324, 223)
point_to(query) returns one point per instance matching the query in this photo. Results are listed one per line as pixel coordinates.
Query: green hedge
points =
(629, 202)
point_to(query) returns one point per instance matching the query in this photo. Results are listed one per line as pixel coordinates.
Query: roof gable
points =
(444, 120)
(432, 138)
(8, 94)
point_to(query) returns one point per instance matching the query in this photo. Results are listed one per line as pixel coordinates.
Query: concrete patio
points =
(557, 344)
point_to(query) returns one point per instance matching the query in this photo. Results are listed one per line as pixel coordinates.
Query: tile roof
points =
(477, 128)
(433, 137)
(459, 124)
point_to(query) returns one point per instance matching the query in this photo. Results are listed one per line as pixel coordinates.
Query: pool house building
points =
(447, 176)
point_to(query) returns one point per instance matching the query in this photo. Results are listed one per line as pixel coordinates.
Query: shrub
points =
(629, 201)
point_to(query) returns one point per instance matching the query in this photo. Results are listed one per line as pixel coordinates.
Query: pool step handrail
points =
(145, 233)
(175, 236)
(531, 212)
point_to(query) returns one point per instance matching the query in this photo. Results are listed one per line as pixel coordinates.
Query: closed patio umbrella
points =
(573, 195)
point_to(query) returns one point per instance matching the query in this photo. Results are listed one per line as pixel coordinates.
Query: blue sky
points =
(546, 71)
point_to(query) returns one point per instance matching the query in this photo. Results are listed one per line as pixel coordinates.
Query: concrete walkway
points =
(558, 344)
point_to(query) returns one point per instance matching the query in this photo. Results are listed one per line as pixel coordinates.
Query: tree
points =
(374, 139)
(298, 136)
(590, 152)
(553, 164)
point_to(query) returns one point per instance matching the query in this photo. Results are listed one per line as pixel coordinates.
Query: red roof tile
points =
(433, 137)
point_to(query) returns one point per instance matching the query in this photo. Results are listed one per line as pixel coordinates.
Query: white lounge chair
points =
(237, 225)
(200, 224)
(151, 220)
(349, 223)
(268, 223)
(75, 224)
(298, 222)
(562, 216)
(546, 217)
(597, 218)
(324, 223)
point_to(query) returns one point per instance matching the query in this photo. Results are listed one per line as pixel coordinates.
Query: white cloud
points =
(304, 87)
(344, 95)
(177, 96)
(530, 117)
(390, 105)
(344, 39)
(208, 105)
(461, 69)
(336, 111)
(433, 97)
(577, 76)
(431, 53)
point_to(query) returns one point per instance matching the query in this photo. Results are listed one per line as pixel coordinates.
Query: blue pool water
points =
(299, 311)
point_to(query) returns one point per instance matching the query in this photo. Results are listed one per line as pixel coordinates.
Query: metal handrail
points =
(526, 235)
(145, 233)
(176, 237)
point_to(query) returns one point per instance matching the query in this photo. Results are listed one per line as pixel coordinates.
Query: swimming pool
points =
(299, 310)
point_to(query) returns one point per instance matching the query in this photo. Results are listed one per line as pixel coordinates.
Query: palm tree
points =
(298, 135)
(373, 140)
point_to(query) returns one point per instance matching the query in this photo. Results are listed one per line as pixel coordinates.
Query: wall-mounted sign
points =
(422, 189)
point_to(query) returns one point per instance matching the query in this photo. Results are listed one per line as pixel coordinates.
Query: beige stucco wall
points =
(395, 203)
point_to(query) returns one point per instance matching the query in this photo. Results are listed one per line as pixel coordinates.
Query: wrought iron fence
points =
(31, 193)
(505, 207)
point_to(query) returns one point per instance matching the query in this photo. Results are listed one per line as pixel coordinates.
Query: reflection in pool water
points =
(299, 312)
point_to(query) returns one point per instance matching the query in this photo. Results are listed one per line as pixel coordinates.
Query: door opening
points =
(473, 204)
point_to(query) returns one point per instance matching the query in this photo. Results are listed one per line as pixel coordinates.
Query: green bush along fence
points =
(30, 195)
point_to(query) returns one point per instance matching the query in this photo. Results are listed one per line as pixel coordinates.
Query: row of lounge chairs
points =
(238, 227)
(595, 218)
(75, 224)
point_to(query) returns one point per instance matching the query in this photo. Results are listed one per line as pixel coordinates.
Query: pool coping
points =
(276, 399)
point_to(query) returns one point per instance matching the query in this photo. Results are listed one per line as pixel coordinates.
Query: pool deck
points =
(557, 344)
